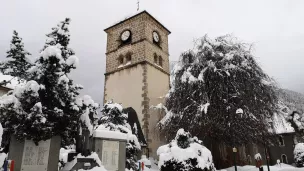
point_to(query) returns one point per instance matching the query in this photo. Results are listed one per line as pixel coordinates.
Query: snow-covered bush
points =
(219, 87)
(299, 154)
(113, 119)
(184, 153)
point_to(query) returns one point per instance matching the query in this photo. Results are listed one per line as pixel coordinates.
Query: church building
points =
(137, 71)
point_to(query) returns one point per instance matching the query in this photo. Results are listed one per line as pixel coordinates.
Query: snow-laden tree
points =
(297, 122)
(185, 153)
(17, 62)
(47, 104)
(113, 119)
(219, 91)
(299, 154)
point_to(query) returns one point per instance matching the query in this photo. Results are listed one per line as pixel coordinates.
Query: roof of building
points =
(8, 82)
(136, 16)
(133, 120)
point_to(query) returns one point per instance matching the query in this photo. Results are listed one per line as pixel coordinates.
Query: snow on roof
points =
(13, 81)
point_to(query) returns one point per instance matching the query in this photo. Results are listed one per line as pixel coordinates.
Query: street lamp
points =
(234, 157)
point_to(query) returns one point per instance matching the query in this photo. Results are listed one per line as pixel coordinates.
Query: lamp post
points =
(267, 158)
(234, 157)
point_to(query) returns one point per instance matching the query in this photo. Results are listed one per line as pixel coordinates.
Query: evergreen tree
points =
(219, 91)
(114, 119)
(185, 153)
(46, 105)
(17, 62)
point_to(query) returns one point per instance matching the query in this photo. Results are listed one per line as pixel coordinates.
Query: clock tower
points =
(137, 70)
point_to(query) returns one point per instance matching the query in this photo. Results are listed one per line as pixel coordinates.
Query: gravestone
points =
(30, 157)
(111, 149)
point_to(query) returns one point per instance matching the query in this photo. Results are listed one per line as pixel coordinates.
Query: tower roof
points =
(136, 16)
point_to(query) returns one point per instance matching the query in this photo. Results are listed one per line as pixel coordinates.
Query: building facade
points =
(137, 70)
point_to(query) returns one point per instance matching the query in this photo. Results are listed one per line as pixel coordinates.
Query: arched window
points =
(281, 141)
(155, 58)
(284, 158)
(120, 60)
(128, 58)
(160, 61)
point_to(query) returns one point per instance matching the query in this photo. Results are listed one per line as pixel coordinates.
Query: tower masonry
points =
(137, 70)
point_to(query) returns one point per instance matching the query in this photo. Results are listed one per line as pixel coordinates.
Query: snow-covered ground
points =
(282, 167)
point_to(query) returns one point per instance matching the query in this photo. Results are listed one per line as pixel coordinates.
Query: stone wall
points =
(141, 46)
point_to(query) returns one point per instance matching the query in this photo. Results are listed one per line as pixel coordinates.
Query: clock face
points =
(155, 37)
(125, 35)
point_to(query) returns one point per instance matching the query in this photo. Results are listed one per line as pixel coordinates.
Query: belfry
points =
(137, 70)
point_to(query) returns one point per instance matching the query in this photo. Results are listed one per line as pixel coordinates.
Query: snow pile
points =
(10, 82)
(72, 61)
(258, 156)
(144, 160)
(94, 155)
(52, 51)
(101, 168)
(299, 154)
(103, 132)
(63, 153)
(184, 153)
(282, 167)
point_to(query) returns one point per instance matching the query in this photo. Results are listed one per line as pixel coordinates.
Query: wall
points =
(141, 46)
(277, 150)
(158, 87)
(125, 86)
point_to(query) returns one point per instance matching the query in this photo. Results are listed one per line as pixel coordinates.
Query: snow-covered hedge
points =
(184, 153)
(299, 154)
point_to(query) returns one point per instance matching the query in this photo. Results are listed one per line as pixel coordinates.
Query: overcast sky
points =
(276, 27)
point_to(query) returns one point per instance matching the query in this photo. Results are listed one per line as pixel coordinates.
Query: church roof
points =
(136, 16)
(135, 125)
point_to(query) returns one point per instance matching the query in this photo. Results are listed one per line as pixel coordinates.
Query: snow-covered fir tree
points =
(219, 91)
(299, 154)
(47, 104)
(17, 62)
(185, 153)
(113, 119)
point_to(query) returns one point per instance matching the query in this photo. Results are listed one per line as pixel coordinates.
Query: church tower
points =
(137, 70)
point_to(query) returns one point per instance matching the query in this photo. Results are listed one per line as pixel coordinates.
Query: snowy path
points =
(283, 167)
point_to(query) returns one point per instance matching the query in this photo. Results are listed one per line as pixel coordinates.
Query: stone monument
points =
(111, 149)
(31, 157)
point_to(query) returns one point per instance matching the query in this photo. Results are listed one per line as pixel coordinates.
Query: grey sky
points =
(275, 27)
